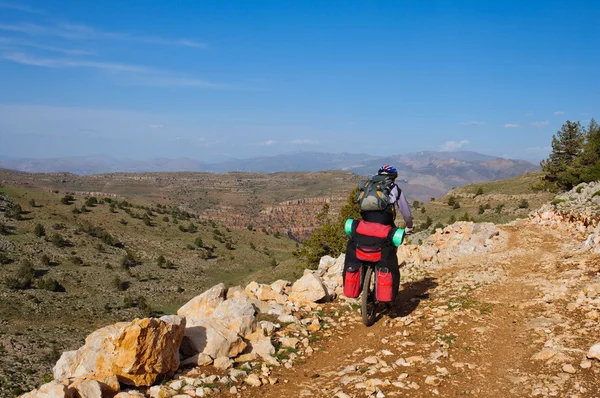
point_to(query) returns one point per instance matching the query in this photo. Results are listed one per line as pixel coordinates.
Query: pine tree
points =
(560, 168)
(589, 161)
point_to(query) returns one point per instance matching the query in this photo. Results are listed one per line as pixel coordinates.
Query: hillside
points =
(483, 310)
(496, 201)
(57, 287)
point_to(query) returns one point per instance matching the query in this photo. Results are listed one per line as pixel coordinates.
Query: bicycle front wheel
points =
(369, 305)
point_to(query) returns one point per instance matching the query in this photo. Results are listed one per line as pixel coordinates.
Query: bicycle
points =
(369, 283)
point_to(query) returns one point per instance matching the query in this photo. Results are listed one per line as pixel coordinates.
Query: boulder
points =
(237, 314)
(96, 388)
(130, 394)
(54, 389)
(308, 289)
(137, 353)
(197, 360)
(280, 286)
(203, 305)
(261, 345)
(212, 338)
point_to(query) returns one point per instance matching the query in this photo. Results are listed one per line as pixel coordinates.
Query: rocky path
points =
(514, 322)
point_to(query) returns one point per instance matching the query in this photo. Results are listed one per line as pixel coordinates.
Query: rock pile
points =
(235, 330)
(575, 211)
(456, 240)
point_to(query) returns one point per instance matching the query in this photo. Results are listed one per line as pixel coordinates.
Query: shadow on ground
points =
(411, 295)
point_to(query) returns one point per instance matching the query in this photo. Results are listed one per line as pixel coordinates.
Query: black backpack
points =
(373, 194)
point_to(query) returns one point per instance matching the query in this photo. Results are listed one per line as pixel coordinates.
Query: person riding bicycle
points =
(396, 202)
(387, 259)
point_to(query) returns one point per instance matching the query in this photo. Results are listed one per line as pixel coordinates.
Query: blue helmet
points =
(388, 170)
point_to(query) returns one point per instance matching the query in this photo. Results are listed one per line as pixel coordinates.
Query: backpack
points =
(373, 194)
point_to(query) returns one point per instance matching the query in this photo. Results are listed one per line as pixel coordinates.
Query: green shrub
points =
(456, 205)
(4, 230)
(23, 278)
(50, 284)
(597, 193)
(579, 189)
(4, 259)
(452, 219)
(14, 211)
(67, 199)
(466, 217)
(523, 204)
(499, 208)
(423, 210)
(479, 191)
(58, 240)
(45, 260)
(481, 209)
(119, 284)
(128, 261)
(439, 225)
(39, 230)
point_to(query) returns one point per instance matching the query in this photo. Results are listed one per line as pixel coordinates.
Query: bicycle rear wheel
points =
(369, 305)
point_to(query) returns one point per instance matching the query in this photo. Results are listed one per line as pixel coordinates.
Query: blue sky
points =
(216, 79)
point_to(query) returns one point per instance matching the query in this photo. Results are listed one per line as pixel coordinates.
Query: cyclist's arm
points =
(404, 209)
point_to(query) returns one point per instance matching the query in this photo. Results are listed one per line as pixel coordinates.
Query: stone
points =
(308, 289)
(137, 353)
(237, 314)
(212, 338)
(197, 360)
(223, 363)
(54, 389)
(253, 380)
(585, 364)
(544, 355)
(594, 352)
(129, 394)
(203, 305)
(91, 388)
(290, 342)
(280, 286)
(568, 368)
(261, 345)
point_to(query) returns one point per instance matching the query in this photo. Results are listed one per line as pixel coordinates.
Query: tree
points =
(416, 204)
(589, 161)
(58, 240)
(479, 191)
(560, 168)
(451, 201)
(523, 204)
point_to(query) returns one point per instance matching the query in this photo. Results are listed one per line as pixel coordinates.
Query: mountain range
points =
(437, 170)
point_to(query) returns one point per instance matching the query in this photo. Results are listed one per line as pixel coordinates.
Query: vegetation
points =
(329, 238)
(575, 157)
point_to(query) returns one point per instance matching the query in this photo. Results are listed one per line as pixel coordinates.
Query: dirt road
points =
(514, 322)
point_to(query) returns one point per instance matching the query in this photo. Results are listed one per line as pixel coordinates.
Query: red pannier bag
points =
(371, 237)
(352, 281)
(384, 287)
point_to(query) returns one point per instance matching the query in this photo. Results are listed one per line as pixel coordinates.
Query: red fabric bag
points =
(384, 288)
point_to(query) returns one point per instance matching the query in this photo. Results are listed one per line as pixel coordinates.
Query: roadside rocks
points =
(594, 352)
(137, 352)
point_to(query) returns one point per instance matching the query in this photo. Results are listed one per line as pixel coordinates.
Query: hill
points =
(439, 171)
(69, 265)
(496, 201)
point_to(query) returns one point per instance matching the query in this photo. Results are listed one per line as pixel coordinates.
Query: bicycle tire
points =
(368, 304)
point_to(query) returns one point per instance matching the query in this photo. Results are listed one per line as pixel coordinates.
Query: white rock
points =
(223, 363)
(594, 352)
(237, 314)
(203, 305)
(308, 289)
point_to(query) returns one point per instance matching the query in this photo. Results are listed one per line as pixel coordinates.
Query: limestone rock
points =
(223, 363)
(212, 338)
(54, 389)
(129, 394)
(594, 352)
(237, 314)
(137, 352)
(280, 286)
(308, 289)
(90, 388)
(197, 360)
(203, 305)
(261, 344)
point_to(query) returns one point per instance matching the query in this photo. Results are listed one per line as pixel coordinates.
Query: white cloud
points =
(472, 123)
(557, 113)
(450, 146)
(540, 124)
(156, 126)
(84, 32)
(305, 142)
(20, 7)
(511, 126)
(269, 143)
(25, 59)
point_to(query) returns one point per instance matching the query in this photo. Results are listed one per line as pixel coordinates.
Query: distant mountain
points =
(437, 170)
